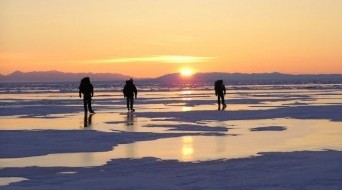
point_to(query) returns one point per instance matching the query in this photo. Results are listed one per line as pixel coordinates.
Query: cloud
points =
(159, 59)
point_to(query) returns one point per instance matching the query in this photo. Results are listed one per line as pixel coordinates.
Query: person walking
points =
(87, 89)
(130, 91)
(220, 92)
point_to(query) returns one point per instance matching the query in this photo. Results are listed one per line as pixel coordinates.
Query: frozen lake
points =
(49, 130)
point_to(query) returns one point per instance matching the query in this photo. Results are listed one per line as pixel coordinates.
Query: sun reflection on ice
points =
(187, 92)
(185, 108)
(184, 95)
(187, 149)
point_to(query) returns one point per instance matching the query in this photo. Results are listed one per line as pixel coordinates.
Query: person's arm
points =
(124, 91)
(135, 91)
(224, 90)
(79, 92)
(92, 90)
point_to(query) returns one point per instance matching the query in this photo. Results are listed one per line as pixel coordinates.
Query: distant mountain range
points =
(256, 78)
(229, 78)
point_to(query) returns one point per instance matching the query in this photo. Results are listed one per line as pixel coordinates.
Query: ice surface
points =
(177, 139)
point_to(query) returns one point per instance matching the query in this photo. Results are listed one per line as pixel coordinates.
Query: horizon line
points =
(67, 72)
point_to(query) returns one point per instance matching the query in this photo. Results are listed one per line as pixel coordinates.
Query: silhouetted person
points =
(86, 88)
(130, 91)
(220, 91)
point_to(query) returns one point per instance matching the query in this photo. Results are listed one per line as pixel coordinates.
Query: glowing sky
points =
(148, 38)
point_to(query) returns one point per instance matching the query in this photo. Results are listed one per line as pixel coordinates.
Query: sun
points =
(186, 72)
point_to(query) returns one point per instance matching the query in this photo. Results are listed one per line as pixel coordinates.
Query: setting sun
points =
(186, 72)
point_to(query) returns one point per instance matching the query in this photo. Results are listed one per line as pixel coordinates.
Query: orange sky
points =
(149, 38)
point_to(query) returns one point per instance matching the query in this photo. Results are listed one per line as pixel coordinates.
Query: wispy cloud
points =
(159, 59)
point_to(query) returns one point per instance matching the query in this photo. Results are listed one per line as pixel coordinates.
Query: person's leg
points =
(223, 102)
(132, 103)
(85, 105)
(219, 101)
(127, 102)
(89, 106)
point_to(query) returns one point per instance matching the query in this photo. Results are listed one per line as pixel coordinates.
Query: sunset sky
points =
(149, 38)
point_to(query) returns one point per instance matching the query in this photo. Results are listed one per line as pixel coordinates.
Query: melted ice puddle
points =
(240, 141)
